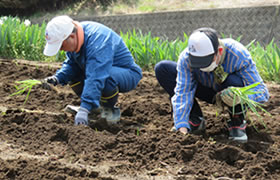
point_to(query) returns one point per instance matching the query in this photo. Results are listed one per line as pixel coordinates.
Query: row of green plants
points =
(148, 50)
(22, 40)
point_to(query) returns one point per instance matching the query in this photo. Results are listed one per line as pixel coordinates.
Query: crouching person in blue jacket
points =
(98, 65)
(207, 70)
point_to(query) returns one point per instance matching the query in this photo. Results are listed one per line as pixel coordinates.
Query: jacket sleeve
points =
(182, 101)
(68, 70)
(250, 75)
(100, 54)
(240, 61)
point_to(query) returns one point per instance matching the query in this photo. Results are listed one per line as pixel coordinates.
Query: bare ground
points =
(39, 141)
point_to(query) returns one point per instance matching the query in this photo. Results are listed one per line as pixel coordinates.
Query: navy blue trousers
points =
(166, 74)
(120, 80)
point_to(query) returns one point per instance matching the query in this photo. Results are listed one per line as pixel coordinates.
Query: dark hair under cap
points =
(213, 36)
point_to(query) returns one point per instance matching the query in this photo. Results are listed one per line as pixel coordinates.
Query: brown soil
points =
(41, 142)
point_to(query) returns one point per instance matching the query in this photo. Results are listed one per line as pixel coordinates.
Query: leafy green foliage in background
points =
(148, 50)
(22, 40)
(267, 60)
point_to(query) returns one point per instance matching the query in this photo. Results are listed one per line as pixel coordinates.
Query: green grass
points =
(20, 40)
(148, 50)
(267, 60)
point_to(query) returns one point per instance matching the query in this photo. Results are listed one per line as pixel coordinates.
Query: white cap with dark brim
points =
(201, 50)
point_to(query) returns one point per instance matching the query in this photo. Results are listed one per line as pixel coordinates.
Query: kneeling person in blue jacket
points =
(207, 70)
(98, 65)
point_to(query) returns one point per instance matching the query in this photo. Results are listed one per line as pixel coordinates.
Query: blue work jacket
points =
(102, 49)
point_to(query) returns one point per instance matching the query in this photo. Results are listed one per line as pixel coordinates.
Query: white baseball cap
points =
(202, 46)
(57, 30)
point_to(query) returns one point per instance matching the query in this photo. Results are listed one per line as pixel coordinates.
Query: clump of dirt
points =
(39, 140)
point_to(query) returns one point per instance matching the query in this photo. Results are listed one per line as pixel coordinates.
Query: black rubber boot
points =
(237, 124)
(109, 111)
(77, 87)
(109, 99)
(196, 120)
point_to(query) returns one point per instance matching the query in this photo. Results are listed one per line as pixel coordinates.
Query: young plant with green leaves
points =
(148, 50)
(243, 93)
(267, 60)
(25, 85)
(23, 40)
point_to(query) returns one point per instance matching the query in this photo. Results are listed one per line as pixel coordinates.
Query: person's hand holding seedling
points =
(46, 83)
(233, 96)
(229, 97)
(25, 85)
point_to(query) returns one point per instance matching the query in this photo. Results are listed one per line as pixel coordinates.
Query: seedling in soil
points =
(138, 132)
(25, 85)
(211, 141)
(16, 63)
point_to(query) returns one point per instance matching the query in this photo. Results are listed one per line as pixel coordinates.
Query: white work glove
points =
(227, 96)
(82, 116)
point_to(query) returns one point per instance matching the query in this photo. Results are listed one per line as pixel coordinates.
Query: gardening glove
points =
(82, 116)
(46, 83)
(227, 97)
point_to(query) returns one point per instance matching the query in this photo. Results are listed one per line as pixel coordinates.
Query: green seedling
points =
(211, 141)
(25, 85)
(217, 113)
(243, 93)
(16, 63)
(138, 132)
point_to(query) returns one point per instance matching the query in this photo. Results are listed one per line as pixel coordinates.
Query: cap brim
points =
(52, 49)
(201, 62)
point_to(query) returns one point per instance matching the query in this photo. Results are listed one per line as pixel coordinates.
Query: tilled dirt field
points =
(39, 141)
